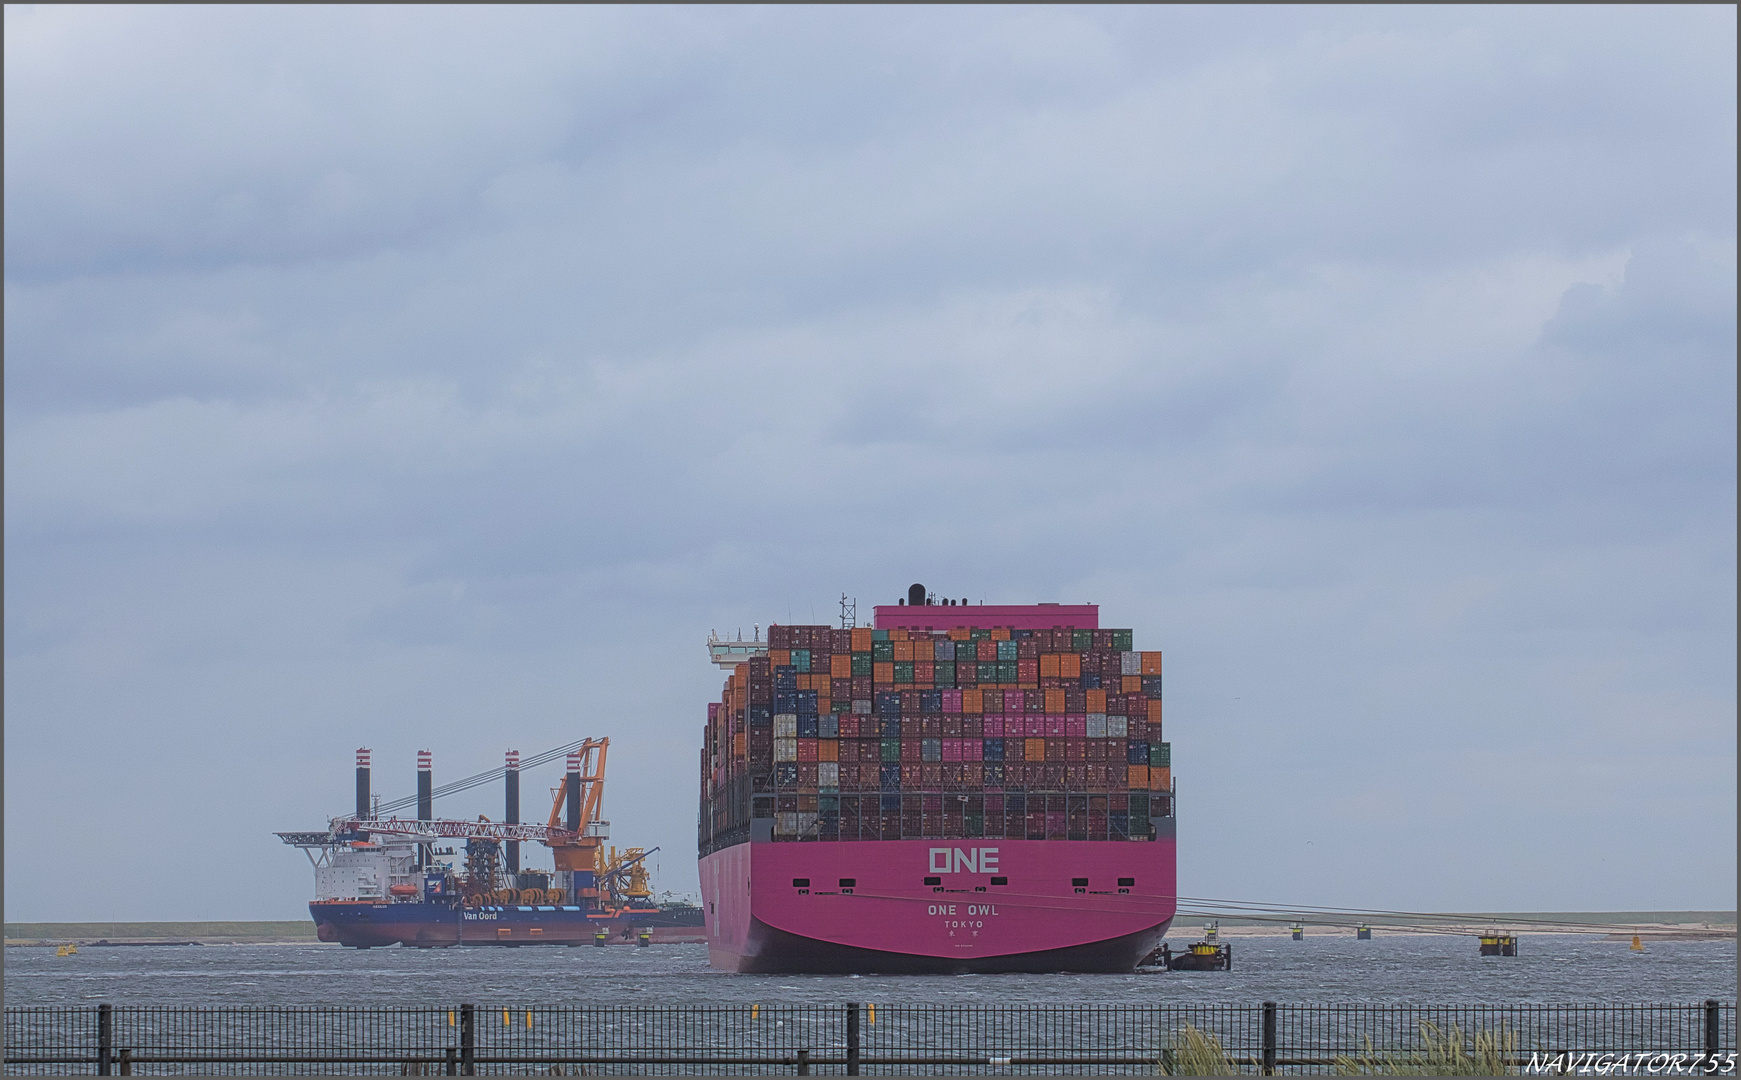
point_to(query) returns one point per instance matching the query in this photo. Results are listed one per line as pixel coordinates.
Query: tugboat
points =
(1201, 956)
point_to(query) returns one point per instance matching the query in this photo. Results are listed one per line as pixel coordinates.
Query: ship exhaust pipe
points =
(511, 791)
(915, 595)
(425, 803)
(573, 787)
(363, 783)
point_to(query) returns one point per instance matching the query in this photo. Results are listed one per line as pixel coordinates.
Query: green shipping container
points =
(861, 664)
(1121, 640)
(903, 671)
(1161, 755)
(882, 651)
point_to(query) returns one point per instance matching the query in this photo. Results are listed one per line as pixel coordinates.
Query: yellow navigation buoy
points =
(1637, 945)
(873, 1012)
(67, 950)
(755, 1011)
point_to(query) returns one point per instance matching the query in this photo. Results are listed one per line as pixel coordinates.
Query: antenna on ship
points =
(848, 612)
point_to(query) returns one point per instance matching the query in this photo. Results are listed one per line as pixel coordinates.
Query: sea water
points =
(1427, 969)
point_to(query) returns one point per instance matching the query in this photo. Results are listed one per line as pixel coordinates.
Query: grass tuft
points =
(1196, 1053)
(1441, 1054)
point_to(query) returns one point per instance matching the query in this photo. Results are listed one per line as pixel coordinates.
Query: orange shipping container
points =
(779, 657)
(1055, 701)
(827, 750)
(840, 666)
(1155, 715)
(1097, 701)
(1160, 778)
(883, 672)
(1139, 776)
(737, 745)
(1049, 666)
(897, 634)
(1000, 633)
(1069, 665)
(1151, 663)
(972, 701)
(1035, 750)
(1133, 684)
(861, 639)
(961, 633)
(903, 651)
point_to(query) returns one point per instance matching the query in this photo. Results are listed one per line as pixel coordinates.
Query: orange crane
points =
(575, 834)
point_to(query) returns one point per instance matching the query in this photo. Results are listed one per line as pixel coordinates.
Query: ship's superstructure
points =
(955, 788)
(383, 880)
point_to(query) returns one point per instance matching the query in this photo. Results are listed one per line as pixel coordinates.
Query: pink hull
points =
(782, 907)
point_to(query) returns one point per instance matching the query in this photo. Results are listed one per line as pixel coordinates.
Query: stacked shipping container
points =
(864, 734)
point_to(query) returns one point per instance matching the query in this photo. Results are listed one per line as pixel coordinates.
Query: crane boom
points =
(437, 829)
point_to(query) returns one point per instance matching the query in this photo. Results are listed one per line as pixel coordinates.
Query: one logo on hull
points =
(956, 861)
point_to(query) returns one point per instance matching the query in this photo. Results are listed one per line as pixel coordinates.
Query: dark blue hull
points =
(364, 925)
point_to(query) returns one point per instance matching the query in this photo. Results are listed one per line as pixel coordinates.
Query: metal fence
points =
(851, 1039)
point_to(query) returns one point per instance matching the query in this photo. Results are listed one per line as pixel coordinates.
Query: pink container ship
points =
(958, 788)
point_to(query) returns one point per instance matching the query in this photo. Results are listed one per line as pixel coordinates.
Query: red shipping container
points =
(910, 775)
(971, 749)
(1076, 777)
(931, 776)
(951, 749)
(1116, 776)
(1076, 749)
(1076, 727)
(1054, 749)
(1096, 749)
(952, 701)
(992, 727)
(972, 774)
(1055, 725)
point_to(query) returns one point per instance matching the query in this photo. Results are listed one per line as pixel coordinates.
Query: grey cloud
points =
(433, 377)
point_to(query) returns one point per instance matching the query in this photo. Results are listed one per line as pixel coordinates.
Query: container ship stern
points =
(960, 788)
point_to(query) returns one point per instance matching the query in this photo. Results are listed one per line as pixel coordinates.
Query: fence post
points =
(468, 1065)
(1713, 1029)
(803, 1063)
(852, 1038)
(105, 1039)
(126, 1063)
(452, 1062)
(1269, 1038)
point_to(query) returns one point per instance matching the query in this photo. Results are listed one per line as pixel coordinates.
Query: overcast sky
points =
(438, 378)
